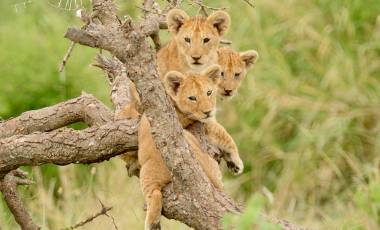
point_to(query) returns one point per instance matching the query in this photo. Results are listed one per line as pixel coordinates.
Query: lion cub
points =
(194, 42)
(194, 47)
(199, 90)
(234, 68)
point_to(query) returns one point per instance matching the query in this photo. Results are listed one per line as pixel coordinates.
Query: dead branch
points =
(8, 186)
(121, 94)
(113, 221)
(85, 108)
(113, 67)
(66, 146)
(102, 212)
(204, 7)
(285, 225)
(66, 57)
(121, 97)
(249, 3)
(36, 137)
(203, 204)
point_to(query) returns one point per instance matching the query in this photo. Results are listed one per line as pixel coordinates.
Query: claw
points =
(235, 168)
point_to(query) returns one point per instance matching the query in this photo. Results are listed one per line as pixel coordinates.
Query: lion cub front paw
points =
(153, 226)
(235, 164)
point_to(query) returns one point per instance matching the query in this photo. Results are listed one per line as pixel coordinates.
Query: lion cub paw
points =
(153, 226)
(235, 164)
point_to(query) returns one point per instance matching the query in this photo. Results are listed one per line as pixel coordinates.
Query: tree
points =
(37, 137)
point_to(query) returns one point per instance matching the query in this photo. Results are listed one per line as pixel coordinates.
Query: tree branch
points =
(65, 146)
(203, 204)
(102, 212)
(66, 57)
(85, 108)
(190, 197)
(121, 94)
(8, 186)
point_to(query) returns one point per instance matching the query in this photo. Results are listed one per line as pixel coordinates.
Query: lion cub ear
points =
(175, 20)
(220, 20)
(249, 57)
(213, 72)
(172, 81)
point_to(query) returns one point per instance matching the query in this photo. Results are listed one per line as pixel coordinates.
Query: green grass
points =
(305, 120)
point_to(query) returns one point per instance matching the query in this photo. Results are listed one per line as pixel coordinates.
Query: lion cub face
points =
(194, 94)
(234, 68)
(197, 38)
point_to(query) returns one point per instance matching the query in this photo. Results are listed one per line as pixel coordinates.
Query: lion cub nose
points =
(208, 113)
(196, 58)
(228, 91)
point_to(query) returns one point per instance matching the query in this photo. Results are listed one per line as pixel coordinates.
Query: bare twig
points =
(112, 66)
(67, 56)
(204, 6)
(103, 211)
(113, 221)
(249, 3)
(8, 186)
(285, 225)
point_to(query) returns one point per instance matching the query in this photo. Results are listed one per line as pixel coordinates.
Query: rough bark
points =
(121, 94)
(36, 137)
(197, 203)
(8, 186)
(121, 97)
(65, 146)
(85, 108)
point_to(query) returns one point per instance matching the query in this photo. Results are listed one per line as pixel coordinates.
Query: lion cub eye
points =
(205, 40)
(237, 75)
(192, 98)
(209, 93)
(222, 74)
(187, 39)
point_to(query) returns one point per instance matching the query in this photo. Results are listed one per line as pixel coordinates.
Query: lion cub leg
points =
(153, 198)
(207, 163)
(130, 111)
(218, 135)
(154, 174)
(154, 204)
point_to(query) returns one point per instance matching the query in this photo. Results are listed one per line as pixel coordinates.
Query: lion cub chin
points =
(234, 69)
(194, 98)
(194, 42)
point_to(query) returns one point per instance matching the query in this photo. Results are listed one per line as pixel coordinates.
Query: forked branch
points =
(195, 202)
(8, 186)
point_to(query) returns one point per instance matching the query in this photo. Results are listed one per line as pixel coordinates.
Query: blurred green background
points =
(306, 119)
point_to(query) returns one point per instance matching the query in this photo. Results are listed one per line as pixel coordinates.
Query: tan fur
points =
(131, 111)
(179, 54)
(154, 174)
(188, 111)
(218, 135)
(234, 68)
